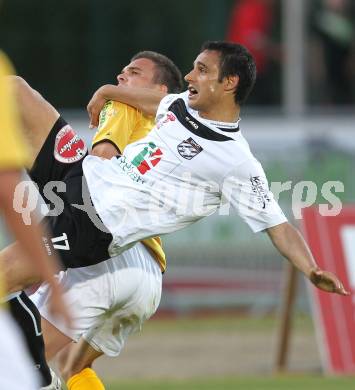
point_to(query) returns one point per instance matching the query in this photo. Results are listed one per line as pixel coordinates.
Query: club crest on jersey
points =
(189, 148)
(148, 158)
(69, 147)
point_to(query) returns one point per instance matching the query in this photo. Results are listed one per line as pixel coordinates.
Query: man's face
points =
(205, 89)
(139, 73)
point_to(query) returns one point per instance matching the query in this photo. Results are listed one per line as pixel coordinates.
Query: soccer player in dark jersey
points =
(120, 125)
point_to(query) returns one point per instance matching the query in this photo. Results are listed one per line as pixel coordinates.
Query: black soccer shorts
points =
(74, 236)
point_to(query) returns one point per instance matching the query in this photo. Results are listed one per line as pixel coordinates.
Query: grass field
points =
(218, 353)
(277, 383)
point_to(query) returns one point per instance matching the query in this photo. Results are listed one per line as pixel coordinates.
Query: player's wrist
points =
(314, 274)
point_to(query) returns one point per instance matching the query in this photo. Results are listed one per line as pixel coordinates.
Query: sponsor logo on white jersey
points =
(260, 188)
(169, 117)
(192, 123)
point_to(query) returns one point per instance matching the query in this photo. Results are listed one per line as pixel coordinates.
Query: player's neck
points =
(226, 113)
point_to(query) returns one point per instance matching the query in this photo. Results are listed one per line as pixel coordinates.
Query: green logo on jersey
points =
(147, 158)
(107, 111)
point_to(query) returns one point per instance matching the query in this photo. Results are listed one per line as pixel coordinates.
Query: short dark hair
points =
(167, 73)
(235, 59)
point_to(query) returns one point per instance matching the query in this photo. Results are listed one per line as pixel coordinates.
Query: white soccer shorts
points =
(17, 372)
(109, 300)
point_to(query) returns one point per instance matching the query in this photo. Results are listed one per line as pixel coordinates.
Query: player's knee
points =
(17, 275)
(24, 93)
(20, 85)
(7, 271)
(17, 81)
(64, 372)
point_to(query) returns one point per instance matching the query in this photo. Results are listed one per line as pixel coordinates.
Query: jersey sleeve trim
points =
(282, 219)
(109, 141)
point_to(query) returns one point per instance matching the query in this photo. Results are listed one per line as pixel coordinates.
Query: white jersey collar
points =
(221, 125)
(226, 126)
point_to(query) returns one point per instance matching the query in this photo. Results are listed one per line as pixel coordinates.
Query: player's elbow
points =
(105, 150)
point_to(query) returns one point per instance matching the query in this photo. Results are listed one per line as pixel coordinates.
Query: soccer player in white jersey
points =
(192, 162)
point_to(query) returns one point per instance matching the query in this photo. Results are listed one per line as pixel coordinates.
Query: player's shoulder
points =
(114, 110)
(239, 152)
(146, 120)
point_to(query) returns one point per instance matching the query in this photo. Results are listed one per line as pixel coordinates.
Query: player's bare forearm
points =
(290, 243)
(28, 236)
(144, 99)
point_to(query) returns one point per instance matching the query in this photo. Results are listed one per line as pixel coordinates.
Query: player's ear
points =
(231, 83)
(162, 88)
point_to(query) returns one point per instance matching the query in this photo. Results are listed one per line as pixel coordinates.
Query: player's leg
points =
(56, 146)
(84, 290)
(49, 136)
(25, 313)
(137, 280)
(75, 365)
(37, 114)
(27, 317)
(111, 300)
(18, 274)
(16, 370)
(54, 339)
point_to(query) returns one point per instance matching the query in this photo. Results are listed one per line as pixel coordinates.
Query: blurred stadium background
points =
(299, 122)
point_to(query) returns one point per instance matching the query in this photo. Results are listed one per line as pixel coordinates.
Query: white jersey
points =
(184, 169)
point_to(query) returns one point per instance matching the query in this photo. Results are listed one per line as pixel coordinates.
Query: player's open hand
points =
(327, 281)
(95, 106)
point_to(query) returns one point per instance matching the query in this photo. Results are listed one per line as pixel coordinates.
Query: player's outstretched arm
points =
(290, 243)
(144, 99)
(29, 238)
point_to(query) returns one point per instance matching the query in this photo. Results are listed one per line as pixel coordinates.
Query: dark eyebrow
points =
(199, 63)
(133, 68)
(130, 68)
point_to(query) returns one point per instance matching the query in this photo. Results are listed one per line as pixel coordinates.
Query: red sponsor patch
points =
(150, 161)
(169, 117)
(69, 147)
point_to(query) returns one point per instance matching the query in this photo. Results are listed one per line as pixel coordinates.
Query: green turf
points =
(274, 383)
(224, 323)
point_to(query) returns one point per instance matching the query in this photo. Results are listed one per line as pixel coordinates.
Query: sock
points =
(86, 379)
(28, 318)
